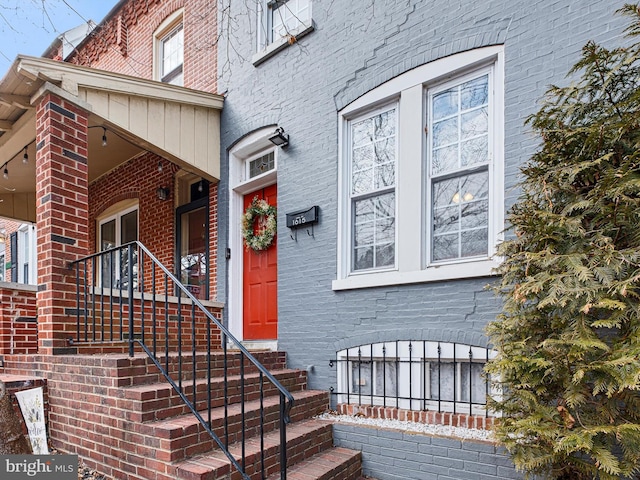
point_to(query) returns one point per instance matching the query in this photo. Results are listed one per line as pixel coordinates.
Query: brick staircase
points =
(121, 415)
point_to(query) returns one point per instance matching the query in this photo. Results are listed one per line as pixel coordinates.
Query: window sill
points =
(275, 47)
(463, 270)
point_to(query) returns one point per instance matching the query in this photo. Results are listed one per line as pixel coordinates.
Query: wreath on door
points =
(266, 214)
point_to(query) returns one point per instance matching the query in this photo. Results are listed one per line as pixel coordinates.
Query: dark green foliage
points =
(568, 340)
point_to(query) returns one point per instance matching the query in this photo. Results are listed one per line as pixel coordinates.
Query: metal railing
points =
(125, 293)
(414, 375)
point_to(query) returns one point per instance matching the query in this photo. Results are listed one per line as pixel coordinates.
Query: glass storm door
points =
(193, 249)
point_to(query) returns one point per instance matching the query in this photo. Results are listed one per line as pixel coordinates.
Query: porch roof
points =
(177, 123)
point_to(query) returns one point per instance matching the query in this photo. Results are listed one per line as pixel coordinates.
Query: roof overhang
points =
(177, 123)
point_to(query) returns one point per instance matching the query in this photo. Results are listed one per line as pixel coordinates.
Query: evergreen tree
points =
(568, 340)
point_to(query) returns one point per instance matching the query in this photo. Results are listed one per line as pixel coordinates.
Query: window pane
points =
(364, 234)
(385, 378)
(445, 132)
(472, 384)
(475, 93)
(262, 164)
(361, 377)
(363, 258)
(445, 104)
(474, 151)
(445, 247)
(444, 159)
(129, 227)
(441, 383)
(474, 243)
(362, 181)
(172, 51)
(474, 123)
(445, 220)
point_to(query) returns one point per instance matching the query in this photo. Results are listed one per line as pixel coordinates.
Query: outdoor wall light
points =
(279, 138)
(104, 137)
(163, 193)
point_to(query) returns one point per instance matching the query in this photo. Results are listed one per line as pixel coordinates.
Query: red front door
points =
(260, 282)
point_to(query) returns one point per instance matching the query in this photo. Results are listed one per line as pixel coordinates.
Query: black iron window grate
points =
(414, 375)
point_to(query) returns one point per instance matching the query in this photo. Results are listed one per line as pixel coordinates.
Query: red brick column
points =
(62, 215)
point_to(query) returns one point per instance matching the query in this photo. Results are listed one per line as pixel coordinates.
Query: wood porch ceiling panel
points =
(189, 134)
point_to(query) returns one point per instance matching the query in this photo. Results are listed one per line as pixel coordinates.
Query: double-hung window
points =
(458, 168)
(372, 152)
(173, 56)
(421, 175)
(169, 50)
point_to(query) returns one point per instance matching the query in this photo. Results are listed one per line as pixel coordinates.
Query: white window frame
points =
(374, 192)
(168, 27)
(269, 46)
(27, 254)
(411, 91)
(115, 213)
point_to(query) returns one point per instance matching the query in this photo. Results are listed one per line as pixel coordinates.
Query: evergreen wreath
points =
(264, 238)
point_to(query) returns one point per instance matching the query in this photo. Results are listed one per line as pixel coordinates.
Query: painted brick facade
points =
(356, 47)
(353, 49)
(396, 455)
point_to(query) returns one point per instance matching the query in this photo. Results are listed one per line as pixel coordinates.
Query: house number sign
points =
(303, 218)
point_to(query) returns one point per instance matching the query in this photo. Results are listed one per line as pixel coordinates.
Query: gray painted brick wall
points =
(394, 455)
(356, 46)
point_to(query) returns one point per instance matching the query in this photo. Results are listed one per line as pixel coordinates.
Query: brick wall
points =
(18, 320)
(124, 42)
(156, 218)
(396, 455)
(61, 211)
(10, 227)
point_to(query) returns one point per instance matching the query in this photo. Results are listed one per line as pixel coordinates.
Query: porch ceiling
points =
(177, 123)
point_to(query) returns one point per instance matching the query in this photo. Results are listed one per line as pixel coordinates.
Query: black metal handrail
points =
(412, 375)
(120, 277)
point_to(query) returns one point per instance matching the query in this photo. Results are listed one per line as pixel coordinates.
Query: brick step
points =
(335, 463)
(149, 402)
(304, 440)
(179, 438)
(120, 370)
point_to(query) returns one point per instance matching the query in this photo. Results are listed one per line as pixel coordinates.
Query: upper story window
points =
(281, 23)
(169, 50)
(286, 17)
(422, 175)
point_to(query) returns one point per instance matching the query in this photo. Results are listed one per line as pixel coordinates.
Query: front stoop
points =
(123, 419)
